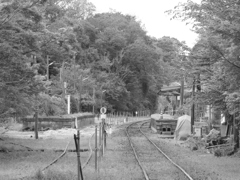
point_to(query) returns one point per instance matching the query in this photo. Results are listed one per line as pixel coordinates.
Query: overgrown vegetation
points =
(50, 48)
(213, 63)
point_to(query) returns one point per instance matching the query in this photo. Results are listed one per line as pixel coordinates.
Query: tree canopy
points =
(50, 48)
(215, 57)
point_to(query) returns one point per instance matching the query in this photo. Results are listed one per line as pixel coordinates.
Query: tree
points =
(107, 52)
(18, 23)
(216, 55)
(133, 61)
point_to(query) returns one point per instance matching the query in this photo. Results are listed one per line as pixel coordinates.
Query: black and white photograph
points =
(119, 90)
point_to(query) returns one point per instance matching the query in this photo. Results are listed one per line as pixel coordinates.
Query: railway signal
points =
(103, 110)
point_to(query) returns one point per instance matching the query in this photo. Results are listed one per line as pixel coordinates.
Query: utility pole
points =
(193, 106)
(182, 85)
(210, 116)
(47, 68)
(235, 128)
(182, 92)
(63, 84)
(36, 119)
(75, 81)
(93, 100)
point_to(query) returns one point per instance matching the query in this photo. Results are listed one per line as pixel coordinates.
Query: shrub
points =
(218, 153)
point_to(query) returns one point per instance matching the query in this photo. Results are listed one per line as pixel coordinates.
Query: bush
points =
(224, 151)
(218, 153)
(51, 105)
(195, 143)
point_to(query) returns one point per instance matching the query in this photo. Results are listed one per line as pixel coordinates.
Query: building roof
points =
(172, 90)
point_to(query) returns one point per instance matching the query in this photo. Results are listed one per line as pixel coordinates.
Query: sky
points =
(152, 16)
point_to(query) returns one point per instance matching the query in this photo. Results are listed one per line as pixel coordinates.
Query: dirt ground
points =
(118, 161)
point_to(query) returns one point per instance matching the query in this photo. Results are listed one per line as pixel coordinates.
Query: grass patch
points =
(55, 175)
(6, 148)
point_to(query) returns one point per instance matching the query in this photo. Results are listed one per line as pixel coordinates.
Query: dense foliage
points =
(214, 60)
(50, 48)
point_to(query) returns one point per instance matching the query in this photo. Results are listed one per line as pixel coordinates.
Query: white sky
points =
(151, 14)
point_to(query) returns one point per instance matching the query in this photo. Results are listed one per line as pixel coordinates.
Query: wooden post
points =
(210, 117)
(93, 100)
(77, 144)
(100, 139)
(237, 128)
(36, 124)
(36, 119)
(103, 138)
(96, 149)
(105, 135)
(193, 106)
(182, 92)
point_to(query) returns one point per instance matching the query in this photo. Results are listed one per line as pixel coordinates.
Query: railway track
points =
(154, 163)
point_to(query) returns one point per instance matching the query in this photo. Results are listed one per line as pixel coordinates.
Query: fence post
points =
(79, 167)
(36, 124)
(103, 138)
(105, 135)
(100, 138)
(96, 149)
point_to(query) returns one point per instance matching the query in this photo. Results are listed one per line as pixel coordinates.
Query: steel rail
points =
(134, 151)
(91, 152)
(65, 151)
(55, 160)
(179, 167)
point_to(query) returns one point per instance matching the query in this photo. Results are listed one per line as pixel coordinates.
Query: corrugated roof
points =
(173, 89)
